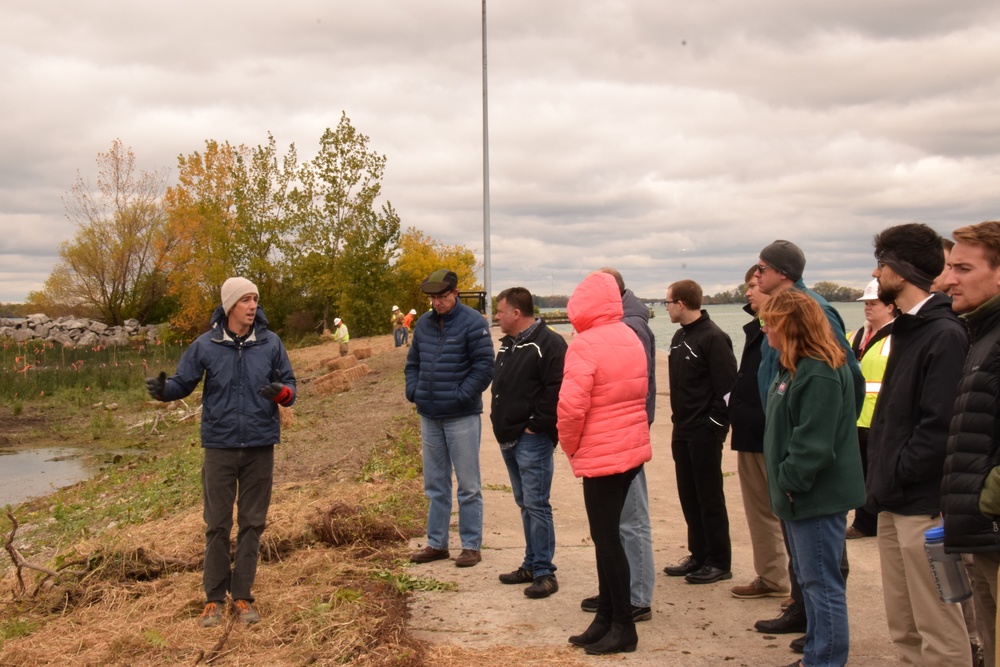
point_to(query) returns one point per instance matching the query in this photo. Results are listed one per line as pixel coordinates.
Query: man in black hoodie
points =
(907, 442)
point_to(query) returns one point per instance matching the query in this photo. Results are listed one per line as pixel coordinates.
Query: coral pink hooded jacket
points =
(602, 419)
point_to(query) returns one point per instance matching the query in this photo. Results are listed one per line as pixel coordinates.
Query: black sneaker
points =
(542, 587)
(641, 613)
(518, 576)
(590, 604)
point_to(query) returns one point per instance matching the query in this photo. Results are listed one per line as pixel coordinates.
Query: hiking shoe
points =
(756, 589)
(590, 604)
(468, 558)
(542, 587)
(248, 615)
(518, 576)
(428, 554)
(211, 615)
(792, 619)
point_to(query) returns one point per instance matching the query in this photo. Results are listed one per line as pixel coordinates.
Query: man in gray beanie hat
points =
(780, 267)
(247, 376)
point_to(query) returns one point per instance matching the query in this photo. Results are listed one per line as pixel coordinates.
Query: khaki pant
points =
(926, 631)
(983, 576)
(770, 561)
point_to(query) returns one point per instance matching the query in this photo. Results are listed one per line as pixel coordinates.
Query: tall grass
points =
(35, 369)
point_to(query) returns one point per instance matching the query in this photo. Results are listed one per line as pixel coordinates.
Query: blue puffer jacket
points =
(450, 363)
(233, 413)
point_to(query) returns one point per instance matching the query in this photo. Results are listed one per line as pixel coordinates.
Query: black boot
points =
(598, 628)
(621, 638)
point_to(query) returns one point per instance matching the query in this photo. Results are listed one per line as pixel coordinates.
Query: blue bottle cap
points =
(934, 534)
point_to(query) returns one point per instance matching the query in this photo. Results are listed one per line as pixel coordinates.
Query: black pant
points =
(241, 475)
(698, 464)
(865, 521)
(604, 498)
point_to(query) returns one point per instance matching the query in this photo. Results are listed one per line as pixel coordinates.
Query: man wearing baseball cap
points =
(448, 367)
(247, 376)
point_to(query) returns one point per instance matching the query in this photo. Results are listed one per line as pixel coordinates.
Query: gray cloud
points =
(668, 141)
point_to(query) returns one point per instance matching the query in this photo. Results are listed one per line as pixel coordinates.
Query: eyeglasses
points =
(440, 297)
(668, 301)
(762, 322)
(761, 268)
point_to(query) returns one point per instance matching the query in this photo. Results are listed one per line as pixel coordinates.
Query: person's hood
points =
(632, 306)
(595, 302)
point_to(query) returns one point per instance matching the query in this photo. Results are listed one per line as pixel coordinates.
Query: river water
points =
(30, 473)
(730, 317)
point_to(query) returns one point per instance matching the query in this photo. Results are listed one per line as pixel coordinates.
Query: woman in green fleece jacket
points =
(813, 463)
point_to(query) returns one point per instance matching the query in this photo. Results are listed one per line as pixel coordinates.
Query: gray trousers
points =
(242, 476)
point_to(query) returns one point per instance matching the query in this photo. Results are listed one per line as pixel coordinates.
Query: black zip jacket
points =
(909, 432)
(974, 439)
(526, 380)
(746, 414)
(702, 371)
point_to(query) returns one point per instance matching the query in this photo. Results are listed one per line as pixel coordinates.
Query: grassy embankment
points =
(122, 551)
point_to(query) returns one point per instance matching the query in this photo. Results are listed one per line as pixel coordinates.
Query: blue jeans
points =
(816, 547)
(638, 541)
(530, 466)
(399, 336)
(453, 443)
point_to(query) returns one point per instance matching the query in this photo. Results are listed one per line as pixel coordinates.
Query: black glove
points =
(156, 386)
(276, 392)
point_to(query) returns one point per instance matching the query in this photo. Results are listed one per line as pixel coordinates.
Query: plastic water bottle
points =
(948, 569)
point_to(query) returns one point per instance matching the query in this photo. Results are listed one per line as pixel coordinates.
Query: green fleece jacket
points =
(811, 442)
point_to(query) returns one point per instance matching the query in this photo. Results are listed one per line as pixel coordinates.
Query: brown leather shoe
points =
(427, 554)
(854, 534)
(468, 558)
(756, 589)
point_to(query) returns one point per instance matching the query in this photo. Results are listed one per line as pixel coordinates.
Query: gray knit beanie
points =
(786, 257)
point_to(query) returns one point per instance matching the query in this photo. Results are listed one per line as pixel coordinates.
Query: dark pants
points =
(845, 569)
(865, 521)
(604, 498)
(698, 464)
(241, 475)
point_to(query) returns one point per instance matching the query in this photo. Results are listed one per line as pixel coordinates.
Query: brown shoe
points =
(756, 589)
(427, 554)
(853, 533)
(787, 602)
(468, 558)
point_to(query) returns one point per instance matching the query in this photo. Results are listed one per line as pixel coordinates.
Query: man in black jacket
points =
(526, 381)
(746, 415)
(702, 371)
(970, 491)
(907, 440)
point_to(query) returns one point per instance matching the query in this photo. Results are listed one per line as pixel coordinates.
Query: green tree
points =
(114, 266)
(337, 195)
(419, 256)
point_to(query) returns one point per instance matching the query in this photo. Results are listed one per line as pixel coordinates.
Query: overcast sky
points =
(669, 140)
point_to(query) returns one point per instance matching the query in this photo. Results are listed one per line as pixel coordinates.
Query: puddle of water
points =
(36, 472)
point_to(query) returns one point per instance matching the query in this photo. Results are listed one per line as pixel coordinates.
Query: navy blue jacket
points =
(233, 414)
(450, 363)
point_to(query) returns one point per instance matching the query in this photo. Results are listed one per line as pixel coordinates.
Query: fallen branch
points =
(20, 563)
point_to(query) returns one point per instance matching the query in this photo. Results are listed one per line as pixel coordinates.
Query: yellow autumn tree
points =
(419, 255)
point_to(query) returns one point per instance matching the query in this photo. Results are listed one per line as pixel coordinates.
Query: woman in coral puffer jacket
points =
(603, 429)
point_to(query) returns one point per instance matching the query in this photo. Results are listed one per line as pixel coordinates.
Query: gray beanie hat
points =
(786, 257)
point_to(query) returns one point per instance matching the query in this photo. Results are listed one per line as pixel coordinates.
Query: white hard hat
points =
(413, 311)
(337, 320)
(871, 291)
(395, 308)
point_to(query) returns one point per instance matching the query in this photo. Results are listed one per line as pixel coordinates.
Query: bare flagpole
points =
(487, 270)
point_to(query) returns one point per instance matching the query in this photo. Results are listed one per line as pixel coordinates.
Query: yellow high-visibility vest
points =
(873, 364)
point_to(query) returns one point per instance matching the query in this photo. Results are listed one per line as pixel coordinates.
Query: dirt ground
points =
(692, 625)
